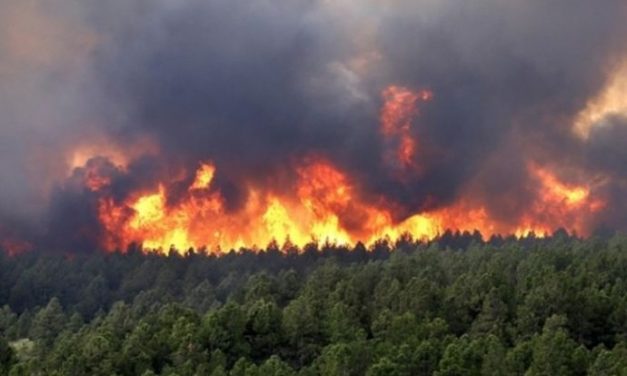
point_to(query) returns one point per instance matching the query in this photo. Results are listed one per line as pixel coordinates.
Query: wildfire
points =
(399, 109)
(14, 246)
(106, 148)
(204, 176)
(323, 203)
(559, 202)
(323, 197)
(326, 207)
(558, 192)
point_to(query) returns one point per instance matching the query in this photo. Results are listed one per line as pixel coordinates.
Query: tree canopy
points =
(457, 306)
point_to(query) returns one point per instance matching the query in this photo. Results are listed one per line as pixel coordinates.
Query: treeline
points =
(458, 306)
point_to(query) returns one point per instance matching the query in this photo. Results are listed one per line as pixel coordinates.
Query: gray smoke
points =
(256, 86)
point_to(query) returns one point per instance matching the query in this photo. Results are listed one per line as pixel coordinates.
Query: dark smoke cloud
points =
(502, 69)
(256, 86)
(606, 157)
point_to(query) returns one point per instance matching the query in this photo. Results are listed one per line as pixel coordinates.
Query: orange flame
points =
(201, 219)
(204, 176)
(94, 181)
(399, 108)
(14, 246)
(560, 204)
(325, 204)
(326, 207)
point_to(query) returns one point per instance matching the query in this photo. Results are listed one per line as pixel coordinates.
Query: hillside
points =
(554, 306)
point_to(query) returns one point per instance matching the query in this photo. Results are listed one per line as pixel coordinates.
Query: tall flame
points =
(326, 207)
(324, 204)
(399, 109)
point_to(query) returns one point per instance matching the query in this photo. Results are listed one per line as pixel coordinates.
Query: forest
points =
(454, 306)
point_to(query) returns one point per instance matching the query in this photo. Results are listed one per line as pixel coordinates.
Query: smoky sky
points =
(256, 86)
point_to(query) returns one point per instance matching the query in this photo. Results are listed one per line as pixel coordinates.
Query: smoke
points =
(258, 86)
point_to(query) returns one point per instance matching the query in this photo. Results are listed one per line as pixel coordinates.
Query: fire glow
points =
(322, 121)
(324, 205)
(399, 108)
(322, 209)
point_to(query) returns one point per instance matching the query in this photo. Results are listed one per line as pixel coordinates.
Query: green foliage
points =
(7, 357)
(555, 353)
(343, 359)
(554, 306)
(48, 323)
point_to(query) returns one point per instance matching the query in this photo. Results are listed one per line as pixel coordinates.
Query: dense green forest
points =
(457, 306)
